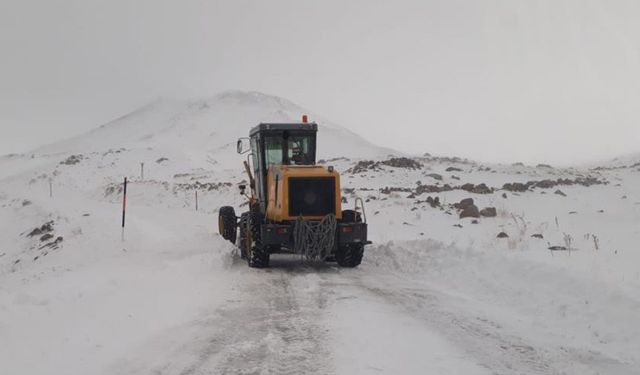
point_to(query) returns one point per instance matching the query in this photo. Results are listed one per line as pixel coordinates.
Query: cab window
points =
(299, 150)
(273, 150)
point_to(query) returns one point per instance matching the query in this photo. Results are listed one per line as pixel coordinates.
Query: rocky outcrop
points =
(470, 211)
(489, 212)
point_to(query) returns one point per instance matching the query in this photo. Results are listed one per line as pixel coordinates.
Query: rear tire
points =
(244, 242)
(350, 255)
(260, 254)
(351, 216)
(227, 224)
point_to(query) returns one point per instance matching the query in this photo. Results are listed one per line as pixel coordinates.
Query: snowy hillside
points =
(207, 129)
(542, 277)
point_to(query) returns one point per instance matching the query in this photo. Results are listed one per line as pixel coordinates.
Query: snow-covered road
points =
(300, 317)
(183, 302)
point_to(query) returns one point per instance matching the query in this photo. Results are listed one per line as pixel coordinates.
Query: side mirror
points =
(242, 146)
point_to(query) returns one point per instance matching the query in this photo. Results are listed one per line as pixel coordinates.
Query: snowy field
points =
(435, 294)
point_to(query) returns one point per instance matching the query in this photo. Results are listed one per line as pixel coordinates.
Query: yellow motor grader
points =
(295, 206)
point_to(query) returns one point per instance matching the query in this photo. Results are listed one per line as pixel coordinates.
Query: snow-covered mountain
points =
(544, 282)
(207, 129)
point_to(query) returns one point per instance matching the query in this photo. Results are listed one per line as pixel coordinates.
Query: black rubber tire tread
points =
(260, 254)
(243, 230)
(350, 216)
(229, 230)
(350, 255)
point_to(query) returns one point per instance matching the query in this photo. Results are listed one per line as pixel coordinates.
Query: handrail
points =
(252, 181)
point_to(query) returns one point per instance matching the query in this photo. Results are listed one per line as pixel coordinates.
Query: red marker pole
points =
(124, 205)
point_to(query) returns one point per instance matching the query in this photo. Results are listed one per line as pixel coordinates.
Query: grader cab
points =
(295, 206)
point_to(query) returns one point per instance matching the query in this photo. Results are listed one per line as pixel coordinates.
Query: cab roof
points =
(270, 126)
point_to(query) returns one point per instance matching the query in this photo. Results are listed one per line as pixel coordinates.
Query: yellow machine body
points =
(278, 178)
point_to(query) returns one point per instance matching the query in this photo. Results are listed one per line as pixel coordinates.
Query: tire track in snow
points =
(485, 340)
(278, 328)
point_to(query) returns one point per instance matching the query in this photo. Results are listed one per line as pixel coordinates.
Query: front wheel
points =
(259, 255)
(350, 255)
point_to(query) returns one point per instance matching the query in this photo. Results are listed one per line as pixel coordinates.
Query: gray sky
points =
(554, 81)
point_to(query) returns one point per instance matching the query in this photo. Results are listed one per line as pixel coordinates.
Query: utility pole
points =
(141, 171)
(50, 188)
(196, 200)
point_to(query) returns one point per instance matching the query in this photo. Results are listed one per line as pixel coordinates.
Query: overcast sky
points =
(553, 81)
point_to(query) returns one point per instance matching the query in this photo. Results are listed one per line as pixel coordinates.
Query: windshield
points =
(289, 149)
